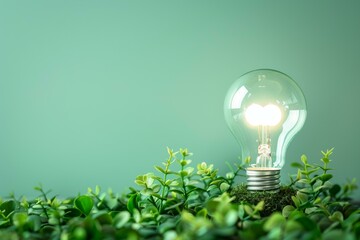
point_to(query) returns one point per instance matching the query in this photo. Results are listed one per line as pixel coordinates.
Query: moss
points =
(274, 201)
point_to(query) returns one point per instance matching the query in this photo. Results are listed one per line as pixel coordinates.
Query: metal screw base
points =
(263, 179)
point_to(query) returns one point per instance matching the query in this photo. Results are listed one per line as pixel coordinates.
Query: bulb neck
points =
(263, 179)
(264, 149)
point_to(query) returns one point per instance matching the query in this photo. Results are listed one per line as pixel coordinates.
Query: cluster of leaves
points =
(181, 202)
(322, 207)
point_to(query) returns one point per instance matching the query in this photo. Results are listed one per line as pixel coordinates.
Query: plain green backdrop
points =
(92, 92)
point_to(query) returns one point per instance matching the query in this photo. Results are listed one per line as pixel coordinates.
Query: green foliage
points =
(183, 202)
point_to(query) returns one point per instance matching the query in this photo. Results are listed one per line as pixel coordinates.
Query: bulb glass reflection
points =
(264, 109)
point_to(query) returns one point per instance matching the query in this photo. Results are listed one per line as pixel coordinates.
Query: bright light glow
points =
(256, 115)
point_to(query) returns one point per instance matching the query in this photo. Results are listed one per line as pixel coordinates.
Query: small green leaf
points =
(248, 210)
(174, 183)
(334, 190)
(202, 213)
(34, 222)
(7, 207)
(292, 226)
(137, 216)
(247, 160)
(326, 177)
(102, 217)
(306, 181)
(307, 223)
(19, 219)
(215, 182)
(325, 160)
(184, 152)
(298, 175)
(275, 220)
(230, 175)
(287, 210)
(160, 169)
(183, 173)
(121, 219)
(84, 204)
(170, 151)
(311, 210)
(156, 188)
(72, 212)
(231, 218)
(297, 165)
(337, 217)
(304, 159)
(259, 206)
(296, 201)
(97, 190)
(241, 211)
(53, 221)
(185, 162)
(224, 187)
(302, 196)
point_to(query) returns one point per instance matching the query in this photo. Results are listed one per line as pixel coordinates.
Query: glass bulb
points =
(264, 109)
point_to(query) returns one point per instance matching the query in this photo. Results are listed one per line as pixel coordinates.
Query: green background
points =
(92, 92)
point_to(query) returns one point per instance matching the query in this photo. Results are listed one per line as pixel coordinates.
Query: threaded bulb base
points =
(263, 179)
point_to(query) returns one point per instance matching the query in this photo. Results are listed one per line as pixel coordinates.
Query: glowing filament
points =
(256, 115)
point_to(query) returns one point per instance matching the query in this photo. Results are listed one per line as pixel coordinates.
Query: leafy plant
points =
(180, 201)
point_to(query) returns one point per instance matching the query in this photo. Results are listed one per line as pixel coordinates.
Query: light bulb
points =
(264, 109)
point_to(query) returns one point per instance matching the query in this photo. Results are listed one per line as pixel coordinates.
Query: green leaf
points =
(296, 201)
(248, 210)
(202, 213)
(137, 216)
(170, 151)
(287, 210)
(19, 219)
(84, 204)
(34, 222)
(326, 177)
(241, 211)
(160, 169)
(306, 181)
(231, 217)
(275, 220)
(183, 173)
(172, 206)
(173, 183)
(292, 226)
(230, 175)
(4, 223)
(121, 219)
(297, 165)
(336, 234)
(302, 196)
(224, 187)
(72, 212)
(53, 221)
(97, 190)
(156, 188)
(304, 159)
(307, 223)
(102, 217)
(308, 172)
(132, 203)
(185, 162)
(337, 217)
(8, 207)
(259, 206)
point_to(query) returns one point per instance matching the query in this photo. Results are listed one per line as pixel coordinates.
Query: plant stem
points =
(168, 163)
